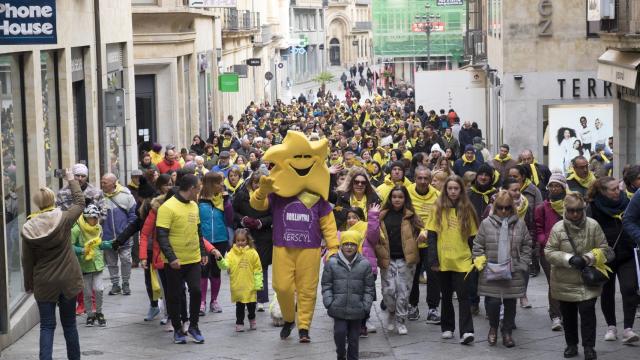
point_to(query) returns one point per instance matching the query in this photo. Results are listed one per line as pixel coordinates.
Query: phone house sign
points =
(28, 22)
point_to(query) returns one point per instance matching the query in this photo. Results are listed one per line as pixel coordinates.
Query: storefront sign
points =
(28, 22)
(575, 86)
(228, 82)
(254, 62)
(449, 2)
(77, 64)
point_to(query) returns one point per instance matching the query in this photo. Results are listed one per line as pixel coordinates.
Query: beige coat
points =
(566, 282)
(409, 237)
(49, 263)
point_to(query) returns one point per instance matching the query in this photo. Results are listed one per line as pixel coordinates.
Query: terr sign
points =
(28, 22)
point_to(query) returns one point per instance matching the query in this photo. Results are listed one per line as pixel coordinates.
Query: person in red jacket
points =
(169, 162)
(546, 215)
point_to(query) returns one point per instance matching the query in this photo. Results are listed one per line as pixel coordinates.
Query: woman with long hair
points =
(451, 231)
(397, 254)
(355, 191)
(606, 205)
(503, 242)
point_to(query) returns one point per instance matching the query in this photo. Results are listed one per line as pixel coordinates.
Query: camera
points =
(59, 173)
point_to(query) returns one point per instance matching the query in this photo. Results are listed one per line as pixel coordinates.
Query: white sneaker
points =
(556, 324)
(402, 329)
(629, 337)
(168, 327)
(391, 321)
(447, 335)
(467, 338)
(611, 334)
(371, 327)
(260, 307)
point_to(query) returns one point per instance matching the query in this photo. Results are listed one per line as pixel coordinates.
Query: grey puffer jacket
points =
(486, 243)
(347, 291)
(566, 282)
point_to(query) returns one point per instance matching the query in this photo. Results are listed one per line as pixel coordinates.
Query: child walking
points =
(243, 264)
(348, 288)
(86, 237)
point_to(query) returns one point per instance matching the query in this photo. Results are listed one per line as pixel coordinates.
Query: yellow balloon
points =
(299, 165)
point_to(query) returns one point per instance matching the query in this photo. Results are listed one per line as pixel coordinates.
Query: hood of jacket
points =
(42, 226)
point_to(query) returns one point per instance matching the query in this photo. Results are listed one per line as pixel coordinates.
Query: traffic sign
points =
(254, 62)
(280, 65)
(268, 75)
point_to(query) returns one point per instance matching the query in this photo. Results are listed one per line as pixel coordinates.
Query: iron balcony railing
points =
(239, 20)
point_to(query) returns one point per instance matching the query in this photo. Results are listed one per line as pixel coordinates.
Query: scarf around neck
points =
(485, 194)
(522, 206)
(91, 236)
(584, 182)
(557, 206)
(504, 245)
(613, 208)
(498, 158)
(465, 161)
(232, 188)
(115, 192)
(36, 213)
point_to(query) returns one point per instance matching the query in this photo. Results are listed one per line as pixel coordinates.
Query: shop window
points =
(50, 117)
(14, 168)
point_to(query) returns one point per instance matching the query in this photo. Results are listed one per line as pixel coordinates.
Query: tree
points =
(323, 78)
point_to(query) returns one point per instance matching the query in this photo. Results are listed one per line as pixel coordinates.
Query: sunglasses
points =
(574, 210)
(504, 208)
(360, 182)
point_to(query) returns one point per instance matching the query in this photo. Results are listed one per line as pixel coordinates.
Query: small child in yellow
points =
(243, 264)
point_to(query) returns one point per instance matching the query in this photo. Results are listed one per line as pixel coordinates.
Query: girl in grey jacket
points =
(348, 288)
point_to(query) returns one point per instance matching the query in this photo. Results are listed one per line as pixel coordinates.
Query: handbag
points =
(591, 276)
(498, 271)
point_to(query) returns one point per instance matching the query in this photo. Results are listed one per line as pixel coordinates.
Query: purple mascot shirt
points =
(295, 226)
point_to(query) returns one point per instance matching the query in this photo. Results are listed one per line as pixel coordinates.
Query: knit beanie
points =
(558, 178)
(91, 211)
(350, 236)
(80, 169)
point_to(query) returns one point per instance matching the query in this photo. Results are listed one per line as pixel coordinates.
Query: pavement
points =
(127, 336)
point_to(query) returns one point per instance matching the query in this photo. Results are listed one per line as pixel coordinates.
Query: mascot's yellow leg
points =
(296, 270)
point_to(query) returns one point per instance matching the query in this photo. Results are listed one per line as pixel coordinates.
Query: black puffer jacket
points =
(262, 236)
(348, 293)
(612, 228)
(343, 203)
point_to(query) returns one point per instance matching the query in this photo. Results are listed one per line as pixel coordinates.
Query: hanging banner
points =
(28, 22)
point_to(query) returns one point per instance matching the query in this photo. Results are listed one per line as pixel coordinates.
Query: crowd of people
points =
(416, 198)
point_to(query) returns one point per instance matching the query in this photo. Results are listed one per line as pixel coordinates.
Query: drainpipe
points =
(101, 149)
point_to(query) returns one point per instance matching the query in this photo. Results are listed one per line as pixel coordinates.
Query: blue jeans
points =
(48, 327)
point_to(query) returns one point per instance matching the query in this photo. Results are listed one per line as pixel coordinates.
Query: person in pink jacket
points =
(546, 215)
(371, 230)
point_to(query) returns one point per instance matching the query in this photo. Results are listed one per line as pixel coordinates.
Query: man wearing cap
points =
(169, 163)
(224, 163)
(467, 162)
(135, 183)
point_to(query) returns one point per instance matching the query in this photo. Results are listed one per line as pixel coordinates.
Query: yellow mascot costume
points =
(297, 190)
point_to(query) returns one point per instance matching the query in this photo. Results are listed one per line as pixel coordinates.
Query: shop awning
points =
(619, 67)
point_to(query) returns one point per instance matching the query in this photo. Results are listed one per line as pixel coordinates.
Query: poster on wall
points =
(576, 130)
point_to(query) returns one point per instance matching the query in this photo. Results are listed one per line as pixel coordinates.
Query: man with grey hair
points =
(120, 212)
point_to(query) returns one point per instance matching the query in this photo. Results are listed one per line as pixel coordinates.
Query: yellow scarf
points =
(629, 194)
(526, 184)
(132, 185)
(558, 206)
(362, 204)
(34, 214)
(218, 201)
(524, 205)
(600, 262)
(232, 188)
(586, 182)
(485, 195)
(498, 158)
(91, 235)
(226, 143)
(448, 138)
(115, 192)
(465, 161)
(534, 173)
(336, 161)
(604, 157)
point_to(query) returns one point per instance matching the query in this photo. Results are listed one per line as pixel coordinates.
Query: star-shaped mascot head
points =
(299, 165)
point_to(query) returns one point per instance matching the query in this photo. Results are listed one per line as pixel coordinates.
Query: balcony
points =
(264, 38)
(363, 2)
(236, 21)
(475, 46)
(360, 26)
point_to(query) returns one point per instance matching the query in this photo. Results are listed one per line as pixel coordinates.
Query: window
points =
(50, 119)
(14, 168)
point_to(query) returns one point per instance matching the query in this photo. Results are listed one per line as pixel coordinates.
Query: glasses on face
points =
(574, 210)
(360, 182)
(504, 208)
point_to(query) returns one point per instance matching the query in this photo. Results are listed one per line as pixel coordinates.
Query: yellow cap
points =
(350, 236)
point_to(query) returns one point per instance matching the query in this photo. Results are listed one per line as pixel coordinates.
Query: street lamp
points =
(427, 20)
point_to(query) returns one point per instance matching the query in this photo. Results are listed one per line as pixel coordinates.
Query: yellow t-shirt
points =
(182, 220)
(424, 205)
(385, 188)
(453, 251)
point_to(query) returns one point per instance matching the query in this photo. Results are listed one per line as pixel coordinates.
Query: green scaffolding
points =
(392, 35)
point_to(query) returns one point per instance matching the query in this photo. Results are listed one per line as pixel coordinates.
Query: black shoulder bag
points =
(591, 276)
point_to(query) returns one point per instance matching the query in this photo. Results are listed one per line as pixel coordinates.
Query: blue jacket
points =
(459, 167)
(213, 222)
(631, 219)
(121, 211)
